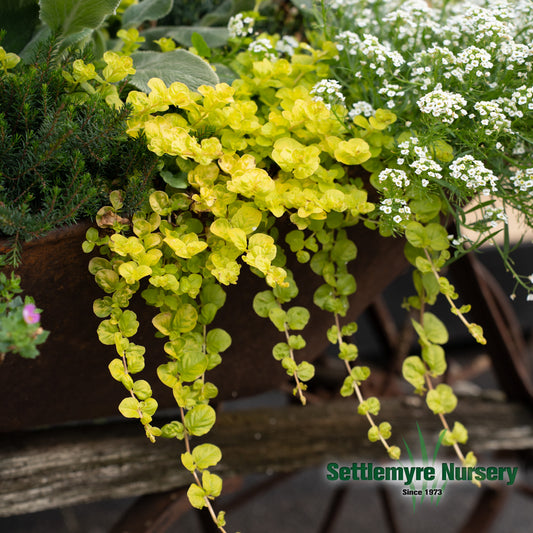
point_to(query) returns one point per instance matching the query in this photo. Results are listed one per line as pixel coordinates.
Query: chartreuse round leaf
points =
(333, 334)
(173, 430)
(134, 358)
(434, 357)
(199, 420)
(295, 240)
(212, 484)
(184, 395)
(296, 342)
(459, 434)
(394, 453)
(434, 329)
(346, 284)
(213, 293)
(196, 496)
(349, 329)
(347, 388)
(247, 218)
(167, 373)
(297, 317)
(441, 399)
(348, 351)
(130, 408)
(305, 371)
(187, 460)
(192, 364)
(373, 434)
(128, 323)
(103, 307)
(217, 340)
(185, 318)
(206, 455)
(414, 371)
(360, 373)
(281, 350)
(288, 292)
(106, 332)
(324, 297)
(116, 368)
(263, 302)
(278, 317)
(142, 389)
(107, 279)
(343, 251)
(371, 405)
(163, 322)
(437, 237)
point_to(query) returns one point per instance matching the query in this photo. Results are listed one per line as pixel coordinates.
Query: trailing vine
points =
(281, 144)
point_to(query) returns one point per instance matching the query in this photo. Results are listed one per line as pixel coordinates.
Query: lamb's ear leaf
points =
(177, 65)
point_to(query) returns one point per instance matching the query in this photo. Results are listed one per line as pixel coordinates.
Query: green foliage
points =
(58, 156)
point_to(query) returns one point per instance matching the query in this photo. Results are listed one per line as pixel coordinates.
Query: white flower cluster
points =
(264, 48)
(523, 179)
(361, 108)
(425, 167)
(287, 45)
(427, 61)
(240, 26)
(474, 174)
(408, 18)
(457, 241)
(394, 176)
(392, 91)
(396, 209)
(514, 54)
(475, 60)
(486, 25)
(492, 117)
(523, 97)
(443, 104)
(494, 215)
(328, 91)
(371, 51)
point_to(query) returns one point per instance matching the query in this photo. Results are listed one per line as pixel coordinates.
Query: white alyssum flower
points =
(395, 176)
(494, 215)
(396, 208)
(441, 104)
(240, 26)
(361, 108)
(522, 180)
(264, 48)
(391, 91)
(474, 174)
(475, 60)
(287, 45)
(492, 117)
(328, 91)
(523, 98)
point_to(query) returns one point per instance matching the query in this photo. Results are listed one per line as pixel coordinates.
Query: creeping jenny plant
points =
(289, 139)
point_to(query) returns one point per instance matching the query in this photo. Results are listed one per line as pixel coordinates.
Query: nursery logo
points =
(425, 478)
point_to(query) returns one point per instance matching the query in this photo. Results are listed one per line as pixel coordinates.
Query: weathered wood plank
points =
(47, 469)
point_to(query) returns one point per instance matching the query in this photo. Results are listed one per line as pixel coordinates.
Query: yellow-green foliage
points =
(271, 149)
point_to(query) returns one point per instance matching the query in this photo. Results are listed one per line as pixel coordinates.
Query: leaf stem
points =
(356, 387)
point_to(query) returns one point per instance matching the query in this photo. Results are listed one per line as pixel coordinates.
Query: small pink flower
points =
(30, 314)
